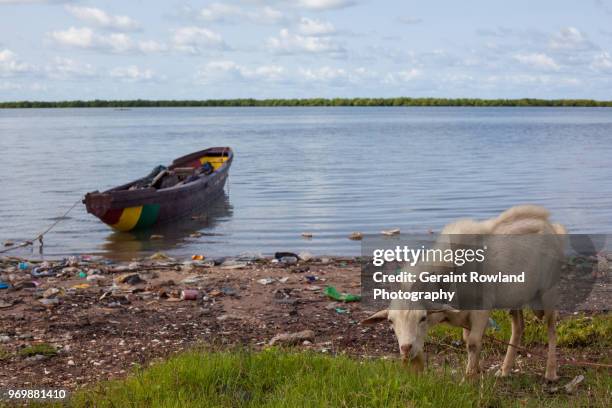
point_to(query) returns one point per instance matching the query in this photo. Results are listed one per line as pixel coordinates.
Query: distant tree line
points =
(402, 101)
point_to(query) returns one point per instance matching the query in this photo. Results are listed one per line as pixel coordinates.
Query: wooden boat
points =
(190, 183)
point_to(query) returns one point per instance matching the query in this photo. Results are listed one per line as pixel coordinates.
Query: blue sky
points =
(55, 49)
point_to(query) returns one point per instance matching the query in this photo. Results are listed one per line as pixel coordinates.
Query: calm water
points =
(329, 171)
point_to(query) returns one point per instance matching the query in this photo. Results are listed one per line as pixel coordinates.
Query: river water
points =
(327, 171)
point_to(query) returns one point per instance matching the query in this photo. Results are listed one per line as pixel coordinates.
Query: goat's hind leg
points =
(550, 318)
(518, 326)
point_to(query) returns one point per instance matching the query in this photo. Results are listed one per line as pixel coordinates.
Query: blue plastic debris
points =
(23, 266)
(493, 324)
(4, 285)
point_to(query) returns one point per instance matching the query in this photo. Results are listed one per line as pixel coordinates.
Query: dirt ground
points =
(101, 333)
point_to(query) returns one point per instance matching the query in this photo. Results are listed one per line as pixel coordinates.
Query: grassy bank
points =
(275, 378)
(576, 331)
(399, 101)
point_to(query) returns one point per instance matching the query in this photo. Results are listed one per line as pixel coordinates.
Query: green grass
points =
(42, 348)
(575, 331)
(276, 378)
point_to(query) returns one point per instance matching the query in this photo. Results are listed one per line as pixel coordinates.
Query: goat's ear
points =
(377, 317)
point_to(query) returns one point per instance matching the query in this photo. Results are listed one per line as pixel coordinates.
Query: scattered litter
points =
(279, 255)
(293, 338)
(313, 288)
(311, 278)
(49, 301)
(288, 260)
(234, 265)
(156, 236)
(193, 280)
(51, 292)
(249, 257)
(266, 281)
(22, 266)
(8, 243)
(82, 286)
(340, 310)
(284, 279)
(356, 236)
(215, 293)
(333, 293)
(190, 294)
(197, 257)
(395, 231)
(307, 235)
(572, 386)
(82, 274)
(129, 278)
(305, 256)
(229, 292)
(5, 305)
(95, 278)
(4, 285)
(493, 324)
(195, 234)
(159, 256)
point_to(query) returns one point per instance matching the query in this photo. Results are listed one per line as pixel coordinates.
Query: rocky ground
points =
(100, 318)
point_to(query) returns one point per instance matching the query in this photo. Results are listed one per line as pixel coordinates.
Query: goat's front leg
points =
(478, 324)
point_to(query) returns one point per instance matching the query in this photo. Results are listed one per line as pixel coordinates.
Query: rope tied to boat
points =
(40, 236)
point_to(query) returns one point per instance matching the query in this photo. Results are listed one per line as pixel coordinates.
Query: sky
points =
(174, 49)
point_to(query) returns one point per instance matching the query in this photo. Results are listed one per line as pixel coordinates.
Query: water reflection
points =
(128, 245)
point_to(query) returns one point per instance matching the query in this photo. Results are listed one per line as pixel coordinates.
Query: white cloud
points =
(196, 40)
(409, 20)
(308, 26)
(219, 12)
(86, 38)
(288, 43)
(602, 61)
(229, 70)
(336, 76)
(325, 4)
(570, 39)
(223, 13)
(11, 65)
(67, 69)
(150, 47)
(74, 37)
(102, 19)
(132, 73)
(538, 61)
(403, 76)
(266, 15)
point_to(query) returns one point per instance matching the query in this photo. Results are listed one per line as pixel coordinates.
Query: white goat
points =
(410, 326)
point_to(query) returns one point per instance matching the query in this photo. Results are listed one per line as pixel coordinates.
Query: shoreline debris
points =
(356, 236)
(290, 339)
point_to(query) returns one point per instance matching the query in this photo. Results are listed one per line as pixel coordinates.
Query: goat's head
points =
(410, 327)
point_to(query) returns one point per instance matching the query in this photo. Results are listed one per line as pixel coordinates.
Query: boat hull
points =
(127, 210)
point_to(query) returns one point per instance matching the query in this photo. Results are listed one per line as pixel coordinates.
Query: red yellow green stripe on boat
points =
(131, 218)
